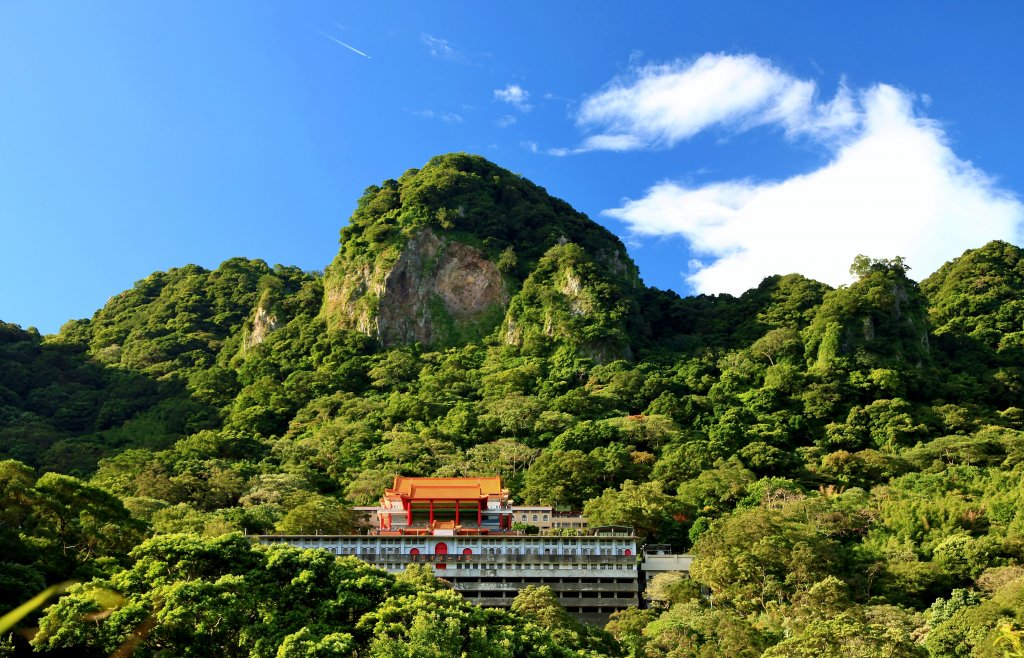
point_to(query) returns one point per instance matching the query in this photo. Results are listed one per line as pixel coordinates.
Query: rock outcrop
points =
(437, 292)
(263, 322)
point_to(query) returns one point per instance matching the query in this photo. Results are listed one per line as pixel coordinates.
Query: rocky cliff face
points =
(263, 322)
(437, 291)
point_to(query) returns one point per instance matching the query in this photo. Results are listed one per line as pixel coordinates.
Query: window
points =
(534, 517)
(545, 517)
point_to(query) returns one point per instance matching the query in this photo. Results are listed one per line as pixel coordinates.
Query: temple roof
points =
(447, 488)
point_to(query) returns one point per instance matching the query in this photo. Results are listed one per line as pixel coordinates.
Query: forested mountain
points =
(845, 464)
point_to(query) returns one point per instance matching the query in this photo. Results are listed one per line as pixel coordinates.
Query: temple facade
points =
(445, 505)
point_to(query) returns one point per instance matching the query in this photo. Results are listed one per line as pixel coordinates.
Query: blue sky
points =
(722, 141)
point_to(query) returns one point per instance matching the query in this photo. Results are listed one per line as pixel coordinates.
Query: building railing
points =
(485, 561)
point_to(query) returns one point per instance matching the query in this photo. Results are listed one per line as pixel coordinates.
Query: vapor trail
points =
(342, 43)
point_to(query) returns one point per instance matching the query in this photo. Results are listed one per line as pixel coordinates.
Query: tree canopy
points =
(855, 450)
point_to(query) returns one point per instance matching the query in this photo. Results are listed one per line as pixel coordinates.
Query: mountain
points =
(848, 459)
(440, 255)
(978, 295)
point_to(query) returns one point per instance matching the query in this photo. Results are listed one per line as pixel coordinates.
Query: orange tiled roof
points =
(447, 488)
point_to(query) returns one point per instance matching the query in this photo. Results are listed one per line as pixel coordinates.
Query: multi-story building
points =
(569, 521)
(462, 526)
(538, 516)
(546, 517)
(592, 575)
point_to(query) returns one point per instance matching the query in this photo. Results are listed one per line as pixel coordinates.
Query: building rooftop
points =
(447, 488)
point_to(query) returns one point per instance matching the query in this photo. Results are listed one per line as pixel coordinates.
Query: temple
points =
(444, 506)
(463, 528)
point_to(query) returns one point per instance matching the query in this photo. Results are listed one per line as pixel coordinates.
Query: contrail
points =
(342, 43)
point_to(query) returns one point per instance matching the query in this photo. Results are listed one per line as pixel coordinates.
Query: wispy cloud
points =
(342, 43)
(441, 47)
(892, 186)
(446, 117)
(515, 96)
(506, 121)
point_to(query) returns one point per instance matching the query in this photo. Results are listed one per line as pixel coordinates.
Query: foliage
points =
(862, 445)
(540, 606)
(187, 596)
(651, 512)
(848, 635)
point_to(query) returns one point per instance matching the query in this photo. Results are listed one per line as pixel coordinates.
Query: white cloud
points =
(659, 106)
(447, 117)
(440, 47)
(515, 96)
(893, 186)
(506, 121)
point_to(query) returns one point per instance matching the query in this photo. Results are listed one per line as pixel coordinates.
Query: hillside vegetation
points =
(845, 464)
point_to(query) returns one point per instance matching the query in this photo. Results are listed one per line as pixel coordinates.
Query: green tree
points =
(541, 606)
(561, 478)
(757, 557)
(643, 506)
(189, 596)
(849, 635)
(692, 630)
(317, 515)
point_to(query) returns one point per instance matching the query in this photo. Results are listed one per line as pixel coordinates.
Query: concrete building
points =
(592, 575)
(546, 517)
(462, 527)
(569, 521)
(535, 515)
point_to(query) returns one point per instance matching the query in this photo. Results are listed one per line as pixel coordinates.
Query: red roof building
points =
(445, 506)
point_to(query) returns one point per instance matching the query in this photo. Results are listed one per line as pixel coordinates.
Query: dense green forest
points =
(845, 464)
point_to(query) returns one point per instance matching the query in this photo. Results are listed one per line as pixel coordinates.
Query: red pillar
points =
(408, 508)
(431, 511)
(456, 512)
(479, 513)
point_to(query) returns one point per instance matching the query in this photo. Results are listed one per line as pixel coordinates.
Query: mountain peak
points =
(437, 255)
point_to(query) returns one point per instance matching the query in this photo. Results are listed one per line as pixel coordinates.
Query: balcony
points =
(487, 561)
